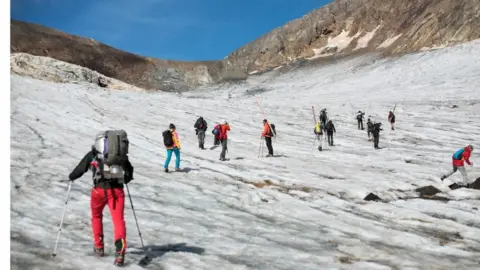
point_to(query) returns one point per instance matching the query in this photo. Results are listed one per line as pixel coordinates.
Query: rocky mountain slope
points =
(346, 27)
(148, 73)
(341, 28)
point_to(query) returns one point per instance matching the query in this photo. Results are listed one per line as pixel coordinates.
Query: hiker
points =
(391, 119)
(458, 157)
(268, 134)
(323, 118)
(216, 132)
(369, 127)
(376, 134)
(330, 130)
(110, 172)
(360, 119)
(223, 137)
(200, 129)
(172, 143)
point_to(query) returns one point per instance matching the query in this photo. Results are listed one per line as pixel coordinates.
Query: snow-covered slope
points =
(313, 216)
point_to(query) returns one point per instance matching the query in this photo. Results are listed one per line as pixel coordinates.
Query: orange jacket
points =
(223, 131)
(266, 130)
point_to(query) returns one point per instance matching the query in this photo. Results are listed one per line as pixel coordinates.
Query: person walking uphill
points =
(111, 169)
(330, 130)
(268, 134)
(223, 137)
(369, 127)
(216, 133)
(360, 120)
(172, 143)
(200, 129)
(391, 119)
(323, 118)
(458, 158)
(376, 134)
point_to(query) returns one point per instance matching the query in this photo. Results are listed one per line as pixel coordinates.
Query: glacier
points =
(304, 209)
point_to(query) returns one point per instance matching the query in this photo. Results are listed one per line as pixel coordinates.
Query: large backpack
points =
(329, 126)
(458, 154)
(272, 132)
(168, 138)
(359, 116)
(112, 152)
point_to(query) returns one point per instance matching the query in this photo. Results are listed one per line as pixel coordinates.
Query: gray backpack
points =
(112, 150)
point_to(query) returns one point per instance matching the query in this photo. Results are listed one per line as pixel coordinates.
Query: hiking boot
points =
(119, 259)
(99, 252)
(178, 169)
(269, 155)
(119, 252)
(166, 169)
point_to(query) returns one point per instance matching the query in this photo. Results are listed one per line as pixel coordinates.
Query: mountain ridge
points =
(340, 28)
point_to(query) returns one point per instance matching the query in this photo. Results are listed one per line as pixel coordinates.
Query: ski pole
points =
(61, 222)
(135, 216)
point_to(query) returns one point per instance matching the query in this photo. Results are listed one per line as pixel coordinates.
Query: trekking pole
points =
(135, 216)
(61, 222)
(260, 147)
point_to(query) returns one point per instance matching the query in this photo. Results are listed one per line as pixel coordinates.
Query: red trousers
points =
(115, 198)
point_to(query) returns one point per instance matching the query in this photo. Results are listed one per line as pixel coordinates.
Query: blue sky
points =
(168, 29)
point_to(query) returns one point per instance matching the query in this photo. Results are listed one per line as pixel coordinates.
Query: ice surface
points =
(310, 215)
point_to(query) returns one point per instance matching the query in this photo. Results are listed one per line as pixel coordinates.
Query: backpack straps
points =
(118, 145)
(105, 146)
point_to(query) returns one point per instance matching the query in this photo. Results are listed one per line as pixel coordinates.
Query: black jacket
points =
(85, 164)
(201, 124)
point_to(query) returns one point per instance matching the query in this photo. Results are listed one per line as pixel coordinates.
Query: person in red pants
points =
(106, 192)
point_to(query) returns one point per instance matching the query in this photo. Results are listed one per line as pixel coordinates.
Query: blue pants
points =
(169, 157)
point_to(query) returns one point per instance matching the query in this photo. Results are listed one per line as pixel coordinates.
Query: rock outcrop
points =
(50, 69)
(341, 28)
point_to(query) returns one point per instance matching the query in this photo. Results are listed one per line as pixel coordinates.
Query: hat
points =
(471, 146)
(172, 126)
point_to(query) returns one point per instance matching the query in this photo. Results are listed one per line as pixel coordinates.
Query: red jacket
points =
(223, 131)
(462, 156)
